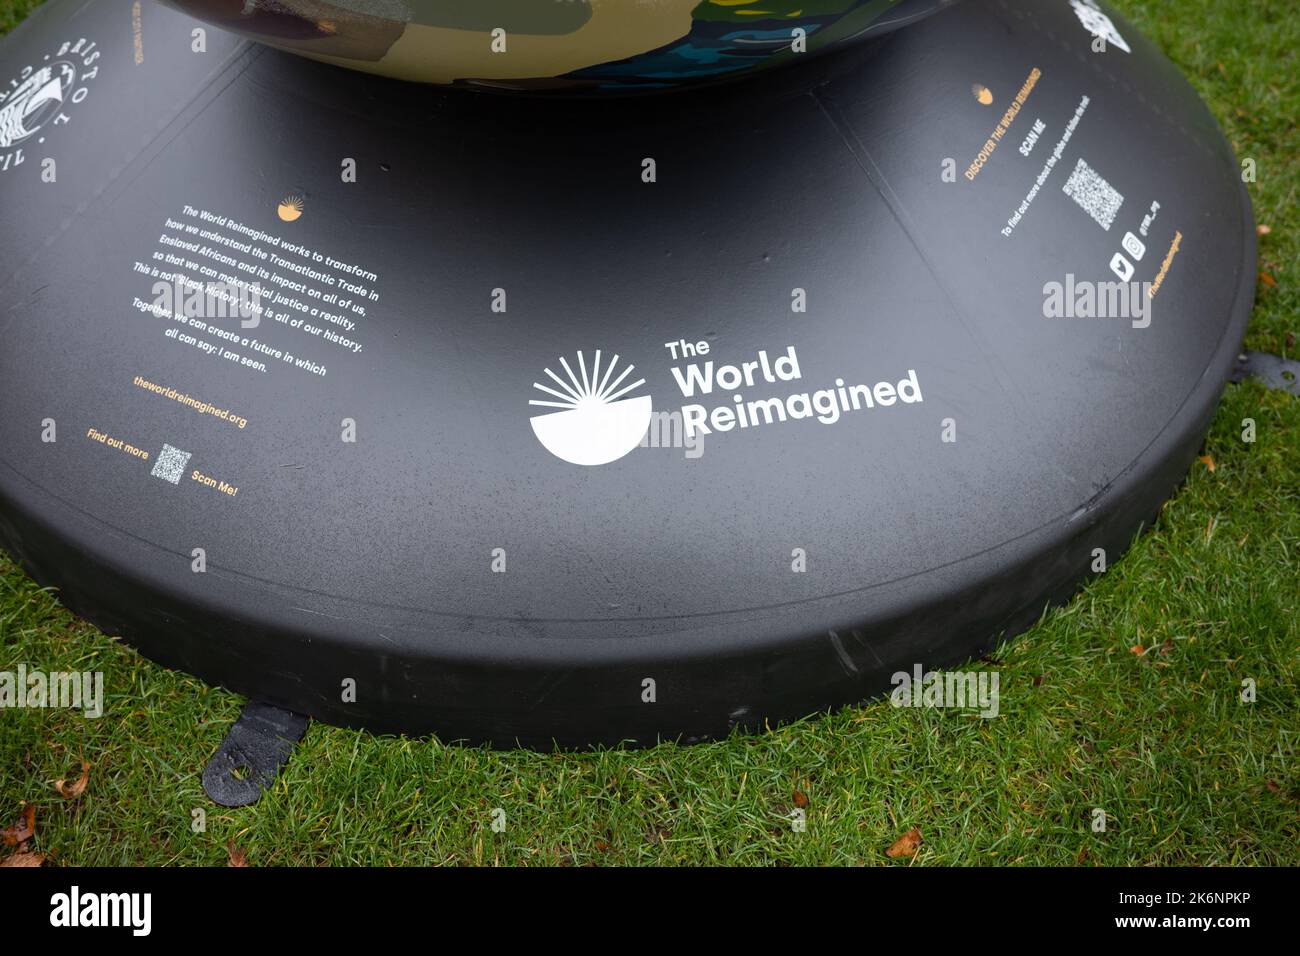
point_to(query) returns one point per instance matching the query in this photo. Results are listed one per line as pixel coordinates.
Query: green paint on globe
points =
(589, 46)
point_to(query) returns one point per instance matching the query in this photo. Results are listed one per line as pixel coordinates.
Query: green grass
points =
(1244, 59)
(1186, 772)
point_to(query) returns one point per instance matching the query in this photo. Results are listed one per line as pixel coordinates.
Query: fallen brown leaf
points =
(23, 830)
(1273, 786)
(1136, 649)
(1083, 854)
(23, 858)
(1208, 462)
(1267, 279)
(1263, 230)
(70, 791)
(236, 856)
(1167, 646)
(800, 799)
(906, 844)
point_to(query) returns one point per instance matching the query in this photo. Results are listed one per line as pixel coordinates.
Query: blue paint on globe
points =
(701, 55)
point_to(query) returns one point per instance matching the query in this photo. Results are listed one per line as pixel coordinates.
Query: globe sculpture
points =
(597, 419)
(592, 46)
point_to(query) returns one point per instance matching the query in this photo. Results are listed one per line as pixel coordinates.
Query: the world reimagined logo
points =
(599, 418)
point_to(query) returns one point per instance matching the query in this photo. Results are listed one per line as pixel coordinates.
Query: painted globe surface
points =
(589, 46)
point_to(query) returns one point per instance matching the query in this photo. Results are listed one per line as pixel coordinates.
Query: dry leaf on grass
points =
(70, 791)
(22, 831)
(1268, 280)
(906, 845)
(23, 858)
(1263, 230)
(237, 857)
(1208, 462)
(800, 799)
(1137, 649)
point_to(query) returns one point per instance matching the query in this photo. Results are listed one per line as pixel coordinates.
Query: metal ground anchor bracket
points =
(253, 753)
(1273, 370)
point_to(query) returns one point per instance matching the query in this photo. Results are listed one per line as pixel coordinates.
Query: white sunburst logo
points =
(595, 424)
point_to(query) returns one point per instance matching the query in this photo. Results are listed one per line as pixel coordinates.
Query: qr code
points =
(1098, 198)
(170, 465)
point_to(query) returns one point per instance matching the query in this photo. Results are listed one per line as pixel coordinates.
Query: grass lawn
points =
(1185, 771)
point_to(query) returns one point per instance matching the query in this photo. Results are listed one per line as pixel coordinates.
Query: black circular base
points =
(845, 275)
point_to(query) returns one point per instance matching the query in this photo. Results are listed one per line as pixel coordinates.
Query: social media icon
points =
(1134, 246)
(1121, 267)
